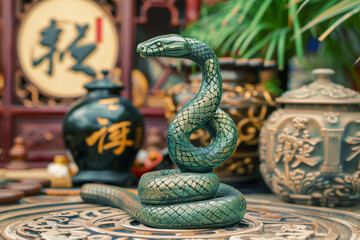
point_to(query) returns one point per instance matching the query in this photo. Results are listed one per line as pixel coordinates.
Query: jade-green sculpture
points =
(192, 196)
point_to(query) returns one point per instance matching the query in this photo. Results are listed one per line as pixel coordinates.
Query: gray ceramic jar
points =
(310, 147)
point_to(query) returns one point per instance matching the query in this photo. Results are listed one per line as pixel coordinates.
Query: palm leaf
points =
(218, 39)
(293, 2)
(228, 42)
(265, 29)
(252, 35)
(302, 6)
(239, 41)
(254, 49)
(333, 11)
(246, 8)
(337, 23)
(259, 13)
(232, 12)
(357, 60)
(298, 39)
(281, 48)
(270, 49)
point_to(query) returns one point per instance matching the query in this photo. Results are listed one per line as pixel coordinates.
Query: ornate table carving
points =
(73, 219)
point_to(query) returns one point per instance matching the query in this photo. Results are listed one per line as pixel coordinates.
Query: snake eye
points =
(159, 44)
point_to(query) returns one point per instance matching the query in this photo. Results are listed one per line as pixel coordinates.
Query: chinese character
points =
(80, 52)
(116, 134)
(111, 103)
(49, 38)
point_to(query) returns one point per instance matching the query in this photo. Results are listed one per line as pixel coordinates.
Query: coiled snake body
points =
(192, 196)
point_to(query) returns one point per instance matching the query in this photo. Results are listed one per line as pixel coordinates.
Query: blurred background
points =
(50, 49)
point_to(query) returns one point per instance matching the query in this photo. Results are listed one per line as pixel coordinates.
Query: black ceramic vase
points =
(103, 133)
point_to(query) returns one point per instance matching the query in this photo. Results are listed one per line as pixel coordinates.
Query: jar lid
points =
(322, 91)
(104, 83)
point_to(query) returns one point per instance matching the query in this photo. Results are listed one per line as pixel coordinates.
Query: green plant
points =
(336, 24)
(280, 29)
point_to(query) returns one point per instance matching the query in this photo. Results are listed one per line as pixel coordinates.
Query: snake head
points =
(171, 45)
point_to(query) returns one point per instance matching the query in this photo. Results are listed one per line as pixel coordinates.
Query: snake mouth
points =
(142, 55)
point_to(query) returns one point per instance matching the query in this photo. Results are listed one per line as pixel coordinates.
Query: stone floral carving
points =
(352, 182)
(297, 183)
(323, 191)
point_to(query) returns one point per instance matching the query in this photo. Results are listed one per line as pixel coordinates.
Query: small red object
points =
(98, 30)
(154, 159)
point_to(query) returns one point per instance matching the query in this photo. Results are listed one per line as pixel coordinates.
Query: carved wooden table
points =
(54, 217)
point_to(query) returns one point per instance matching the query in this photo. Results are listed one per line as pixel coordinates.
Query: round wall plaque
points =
(63, 44)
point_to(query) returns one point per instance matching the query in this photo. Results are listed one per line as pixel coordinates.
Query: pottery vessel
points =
(245, 100)
(103, 132)
(310, 146)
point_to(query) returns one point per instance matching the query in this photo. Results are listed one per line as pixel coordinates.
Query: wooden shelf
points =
(17, 119)
(19, 110)
(152, 112)
(23, 111)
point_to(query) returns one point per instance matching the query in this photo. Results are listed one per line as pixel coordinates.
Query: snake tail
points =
(228, 203)
(191, 196)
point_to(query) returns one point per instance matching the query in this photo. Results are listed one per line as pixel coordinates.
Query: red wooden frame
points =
(10, 111)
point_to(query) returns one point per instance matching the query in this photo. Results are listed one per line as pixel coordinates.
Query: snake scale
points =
(191, 196)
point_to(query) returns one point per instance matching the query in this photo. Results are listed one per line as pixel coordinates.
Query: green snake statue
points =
(191, 196)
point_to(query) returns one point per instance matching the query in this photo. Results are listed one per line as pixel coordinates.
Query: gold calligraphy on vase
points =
(112, 103)
(113, 137)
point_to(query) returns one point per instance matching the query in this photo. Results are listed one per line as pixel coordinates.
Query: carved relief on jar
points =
(351, 146)
(310, 151)
(297, 142)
